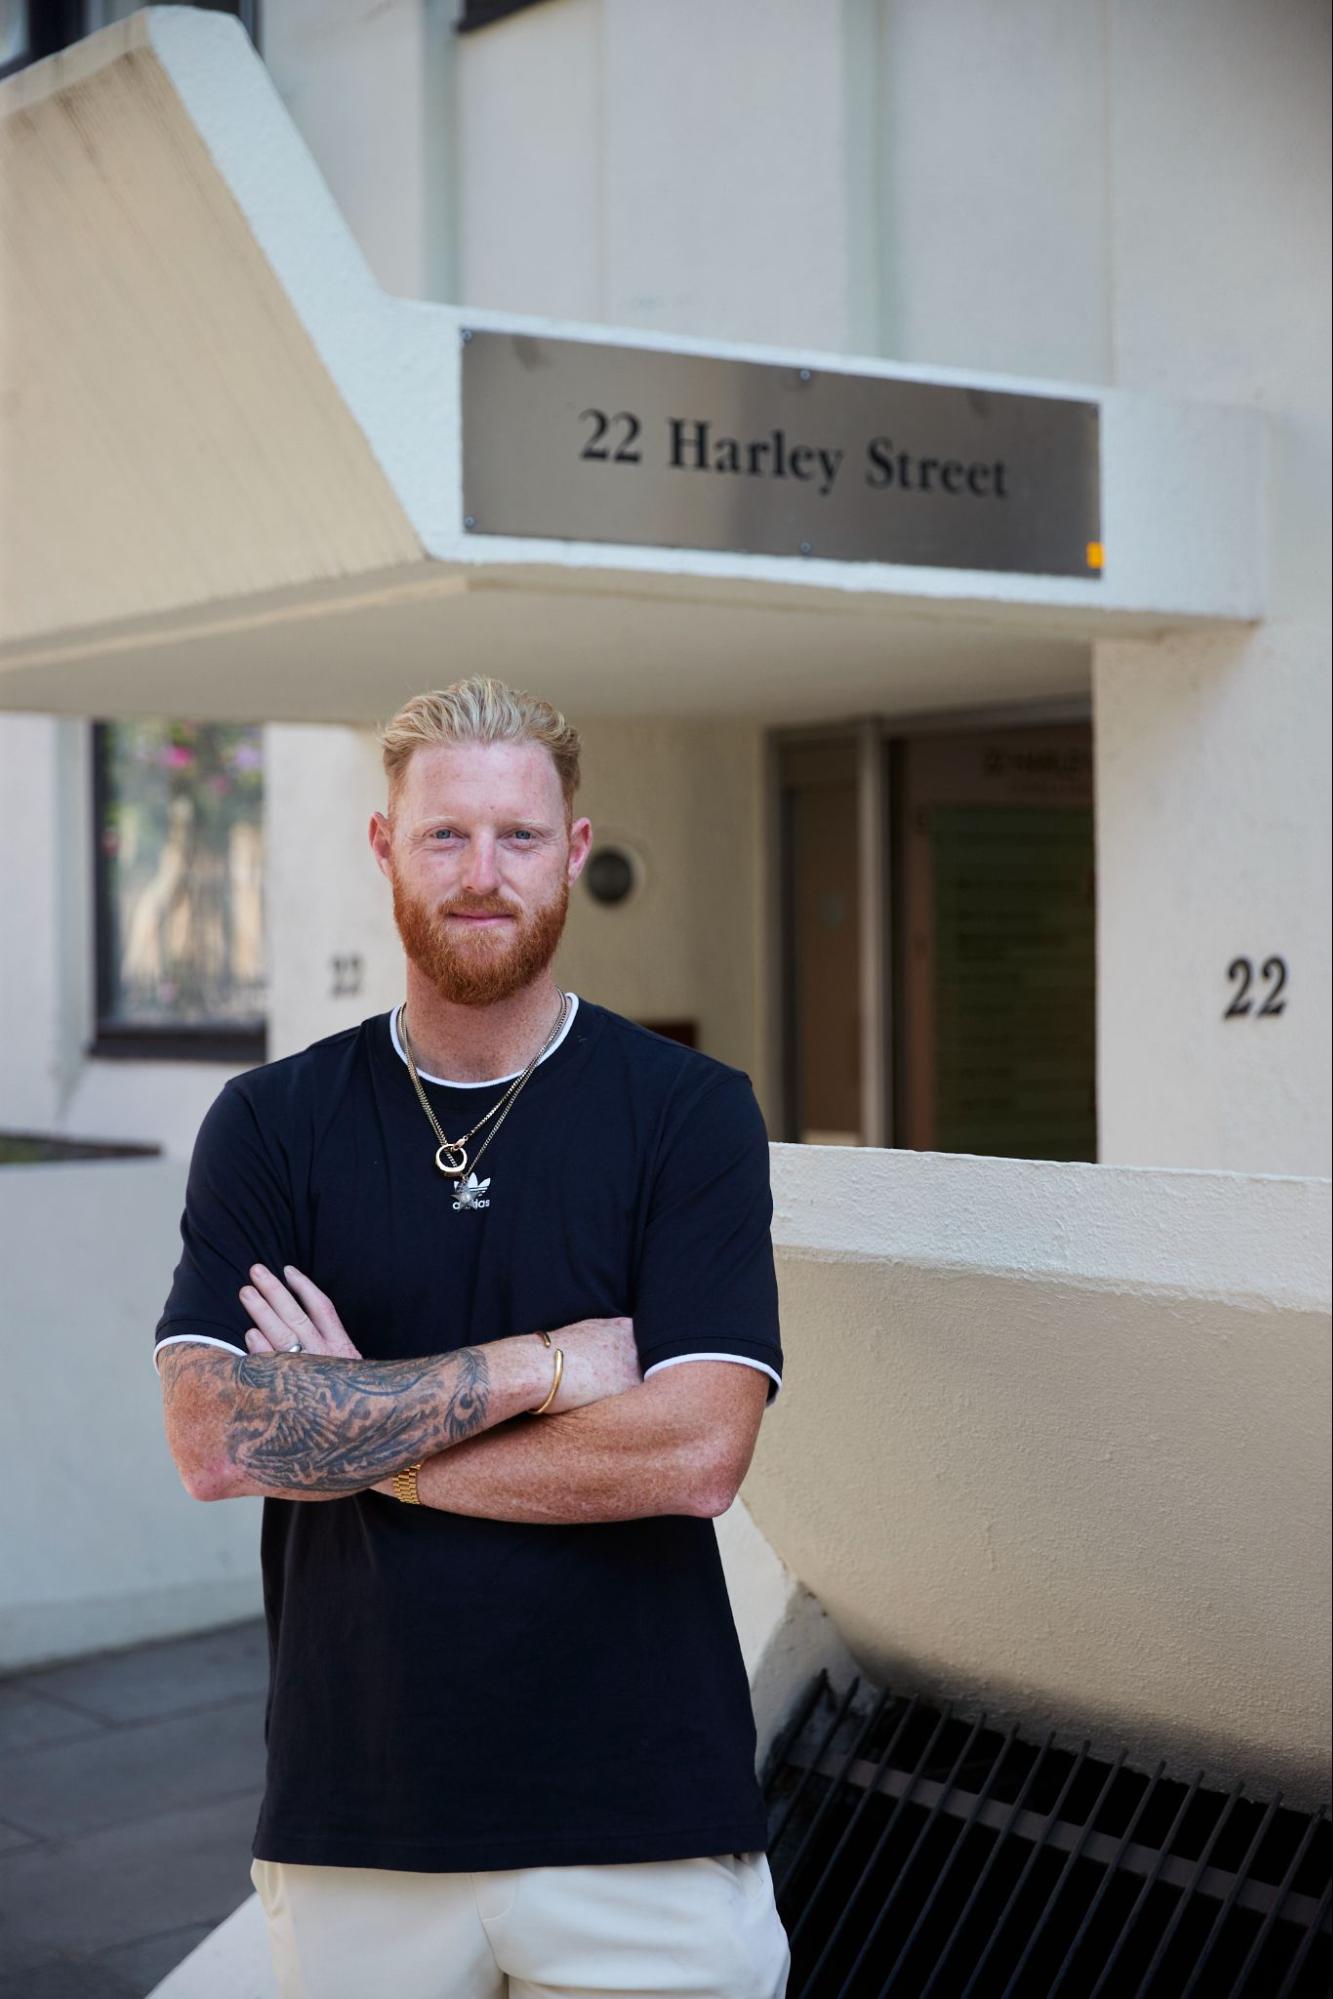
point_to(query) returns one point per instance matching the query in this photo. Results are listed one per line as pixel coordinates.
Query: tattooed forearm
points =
(337, 1425)
(319, 1427)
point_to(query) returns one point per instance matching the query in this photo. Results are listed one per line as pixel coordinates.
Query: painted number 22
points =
(346, 974)
(1241, 972)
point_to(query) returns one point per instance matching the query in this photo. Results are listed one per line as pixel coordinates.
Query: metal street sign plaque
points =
(574, 440)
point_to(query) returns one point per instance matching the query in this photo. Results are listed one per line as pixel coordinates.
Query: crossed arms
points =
(311, 1426)
(680, 1443)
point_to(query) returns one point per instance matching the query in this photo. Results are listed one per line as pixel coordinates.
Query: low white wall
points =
(103, 1546)
(1053, 1440)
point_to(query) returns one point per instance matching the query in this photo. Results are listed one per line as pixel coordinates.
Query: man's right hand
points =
(601, 1359)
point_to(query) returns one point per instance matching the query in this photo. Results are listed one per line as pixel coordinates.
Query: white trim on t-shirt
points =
(742, 1359)
(194, 1340)
(487, 1082)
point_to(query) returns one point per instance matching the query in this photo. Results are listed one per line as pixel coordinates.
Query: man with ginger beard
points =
(509, 1735)
(472, 961)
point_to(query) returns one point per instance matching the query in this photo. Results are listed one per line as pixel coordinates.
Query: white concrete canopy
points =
(232, 464)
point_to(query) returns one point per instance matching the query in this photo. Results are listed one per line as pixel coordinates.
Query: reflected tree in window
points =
(181, 915)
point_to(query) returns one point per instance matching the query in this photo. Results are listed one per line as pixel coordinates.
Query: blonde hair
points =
(478, 710)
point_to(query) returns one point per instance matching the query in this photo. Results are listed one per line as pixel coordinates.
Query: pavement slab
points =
(130, 1784)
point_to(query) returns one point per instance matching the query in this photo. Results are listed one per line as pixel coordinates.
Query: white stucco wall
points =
(370, 87)
(1213, 844)
(104, 1546)
(990, 183)
(688, 799)
(43, 893)
(1213, 778)
(722, 198)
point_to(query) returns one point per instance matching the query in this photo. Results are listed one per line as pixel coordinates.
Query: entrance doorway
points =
(937, 900)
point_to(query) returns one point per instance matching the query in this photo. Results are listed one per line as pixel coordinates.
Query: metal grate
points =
(923, 1856)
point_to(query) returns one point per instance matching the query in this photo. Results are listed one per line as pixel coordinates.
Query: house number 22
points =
(346, 968)
(1241, 973)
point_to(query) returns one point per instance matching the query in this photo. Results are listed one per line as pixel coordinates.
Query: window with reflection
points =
(18, 38)
(31, 29)
(178, 812)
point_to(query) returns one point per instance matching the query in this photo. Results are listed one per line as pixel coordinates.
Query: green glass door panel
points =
(1015, 980)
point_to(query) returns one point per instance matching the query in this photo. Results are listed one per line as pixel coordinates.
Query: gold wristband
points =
(555, 1385)
(405, 1483)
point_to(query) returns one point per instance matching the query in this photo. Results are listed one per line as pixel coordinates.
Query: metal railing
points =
(920, 1855)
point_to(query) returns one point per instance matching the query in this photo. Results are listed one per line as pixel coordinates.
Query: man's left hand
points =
(282, 1316)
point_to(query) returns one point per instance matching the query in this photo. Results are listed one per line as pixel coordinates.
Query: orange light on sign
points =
(1094, 555)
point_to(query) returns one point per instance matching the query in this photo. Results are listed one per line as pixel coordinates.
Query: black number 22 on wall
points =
(1241, 972)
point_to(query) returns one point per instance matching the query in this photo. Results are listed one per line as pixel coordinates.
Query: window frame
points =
(130, 1042)
(476, 14)
(54, 25)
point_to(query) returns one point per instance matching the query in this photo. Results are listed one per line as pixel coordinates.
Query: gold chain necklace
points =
(451, 1155)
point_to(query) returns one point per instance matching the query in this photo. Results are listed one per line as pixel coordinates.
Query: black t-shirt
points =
(449, 1692)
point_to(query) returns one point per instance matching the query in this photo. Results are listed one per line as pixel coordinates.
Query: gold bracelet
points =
(405, 1481)
(405, 1484)
(555, 1385)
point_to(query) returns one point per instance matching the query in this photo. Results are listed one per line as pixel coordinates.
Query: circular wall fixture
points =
(612, 874)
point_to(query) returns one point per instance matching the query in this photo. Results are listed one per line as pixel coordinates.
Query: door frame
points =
(876, 737)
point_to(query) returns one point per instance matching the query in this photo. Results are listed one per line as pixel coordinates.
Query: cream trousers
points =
(702, 1928)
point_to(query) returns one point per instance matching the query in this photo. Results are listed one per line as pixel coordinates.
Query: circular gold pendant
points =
(445, 1158)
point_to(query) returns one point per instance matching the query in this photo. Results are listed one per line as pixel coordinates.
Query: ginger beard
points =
(476, 966)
